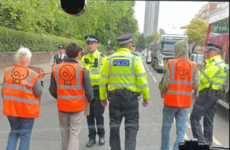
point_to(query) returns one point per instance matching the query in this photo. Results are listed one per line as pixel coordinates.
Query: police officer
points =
(58, 58)
(93, 61)
(212, 78)
(126, 78)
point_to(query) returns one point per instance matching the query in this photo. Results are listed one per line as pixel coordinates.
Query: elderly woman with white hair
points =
(21, 91)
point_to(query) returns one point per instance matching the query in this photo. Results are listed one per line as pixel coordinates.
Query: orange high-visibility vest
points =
(70, 91)
(18, 97)
(179, 92)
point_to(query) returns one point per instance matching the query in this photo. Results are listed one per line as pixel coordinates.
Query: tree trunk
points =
(194, 46)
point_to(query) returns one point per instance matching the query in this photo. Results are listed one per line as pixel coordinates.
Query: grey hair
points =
(23, 53)
(124, 45)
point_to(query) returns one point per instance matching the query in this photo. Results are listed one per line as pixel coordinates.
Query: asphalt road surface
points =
(46, 133)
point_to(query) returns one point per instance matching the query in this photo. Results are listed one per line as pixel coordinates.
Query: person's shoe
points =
(101, 141)
(90, 143)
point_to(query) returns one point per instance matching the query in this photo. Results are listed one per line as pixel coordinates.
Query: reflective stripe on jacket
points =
(179, 92)
(94, 71)
(70, 91)
(18, 97)
(215, 72)
(124, 70)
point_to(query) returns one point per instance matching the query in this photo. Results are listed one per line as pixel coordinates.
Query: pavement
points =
(46, 134)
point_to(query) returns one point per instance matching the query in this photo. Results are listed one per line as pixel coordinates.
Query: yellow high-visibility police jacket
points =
(94, 71)
(214, 72)
(124, 69)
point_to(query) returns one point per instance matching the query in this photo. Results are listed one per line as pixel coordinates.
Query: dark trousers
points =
(127, 108)
(205, 105)
(227, 97)
(96, 117)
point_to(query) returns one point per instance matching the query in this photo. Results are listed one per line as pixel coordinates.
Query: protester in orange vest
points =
(21, 91)
(70, 83)
(179, 78)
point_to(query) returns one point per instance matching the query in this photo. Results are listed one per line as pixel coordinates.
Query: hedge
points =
(11, 40)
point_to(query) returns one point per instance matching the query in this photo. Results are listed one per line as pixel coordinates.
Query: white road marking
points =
(188, 125)
(154, 79)
(213, 138)
(186, 137)
(216, 141)
(150, 73)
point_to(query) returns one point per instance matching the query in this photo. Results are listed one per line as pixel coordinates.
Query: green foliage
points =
(141, 42)
(11, 40)
(30, 16)
(106, 19)
(149, 39)
(197, 31)
(184, 27)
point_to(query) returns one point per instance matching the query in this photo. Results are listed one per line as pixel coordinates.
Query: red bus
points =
(218, 30)
(218, 33)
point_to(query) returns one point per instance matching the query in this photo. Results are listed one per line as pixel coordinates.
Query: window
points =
(168, 46)
(220, 27)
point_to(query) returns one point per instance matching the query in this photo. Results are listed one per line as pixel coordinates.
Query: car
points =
(144, 54)
(138, 53)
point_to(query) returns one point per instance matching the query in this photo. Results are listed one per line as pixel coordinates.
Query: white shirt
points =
(52, 59)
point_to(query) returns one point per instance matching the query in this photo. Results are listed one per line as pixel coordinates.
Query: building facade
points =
(206, 9)
(204, 14)
(151, 17)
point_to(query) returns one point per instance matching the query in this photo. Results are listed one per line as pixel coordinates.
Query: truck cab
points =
(164, 48)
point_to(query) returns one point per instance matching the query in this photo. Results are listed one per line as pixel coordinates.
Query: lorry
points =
(163, 46)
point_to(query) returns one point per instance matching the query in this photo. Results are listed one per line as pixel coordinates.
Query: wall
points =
(7, 58)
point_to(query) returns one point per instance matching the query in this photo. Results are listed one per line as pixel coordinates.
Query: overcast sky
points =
(177, 13)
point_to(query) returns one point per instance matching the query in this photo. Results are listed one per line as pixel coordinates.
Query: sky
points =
(177, 13)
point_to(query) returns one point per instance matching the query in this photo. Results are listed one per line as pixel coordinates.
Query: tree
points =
(106, 19)
(141, 42)
(149, 39)
(30, 16)
(128, 24)
(197, 31)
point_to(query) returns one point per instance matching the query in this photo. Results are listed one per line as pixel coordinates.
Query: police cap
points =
(211, 46)
(125, 38)
(91, 39)
(61, 46)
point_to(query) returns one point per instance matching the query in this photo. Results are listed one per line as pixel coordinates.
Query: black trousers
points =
(205, 105)
(127, 108)
(96, 118)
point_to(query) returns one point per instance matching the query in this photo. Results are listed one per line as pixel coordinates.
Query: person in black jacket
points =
(58, 58)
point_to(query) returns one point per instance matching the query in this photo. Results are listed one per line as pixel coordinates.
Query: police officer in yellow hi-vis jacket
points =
(125, 75)
(93, 61)
(211, 78)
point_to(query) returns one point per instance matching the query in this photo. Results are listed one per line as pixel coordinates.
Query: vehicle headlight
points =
(160, 62)
(161, 57)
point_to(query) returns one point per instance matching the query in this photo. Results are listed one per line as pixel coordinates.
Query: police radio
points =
(95, 62)
(86, 60)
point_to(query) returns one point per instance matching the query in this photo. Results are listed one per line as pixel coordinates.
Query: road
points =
(46, 133)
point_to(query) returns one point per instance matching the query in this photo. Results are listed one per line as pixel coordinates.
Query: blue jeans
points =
(180, 115)
(20, 128)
